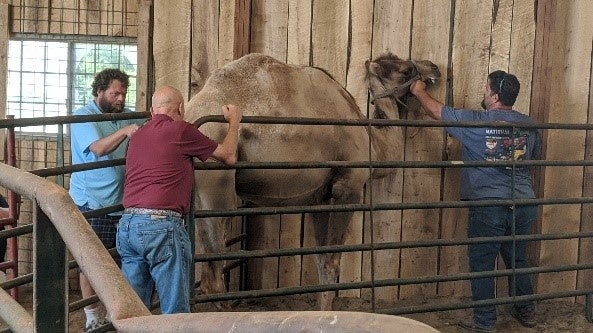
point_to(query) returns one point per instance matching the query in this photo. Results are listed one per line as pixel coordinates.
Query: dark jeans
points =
(498, 221)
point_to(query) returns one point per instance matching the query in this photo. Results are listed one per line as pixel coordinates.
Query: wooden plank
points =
(204, 47)
(270, 28)
(262, 272)
(298, 53)
(330, 37)
(4, 41)
(470, 56)
(329, 51)
(453, 224)
(540, 100)
(469, 69)
(309, 275)
(500, 45)
(226, 32)
(361, 35)
(518, 28)
(171, 45)
(522, 51)
(299, 32)
(292, 226)
(379, 264)
(388, 34)
(431, 22)
(569, 91)
(269, 36)
(242, 28)
(143, 90)
(392, 22)
(289, 267)
(585, 277)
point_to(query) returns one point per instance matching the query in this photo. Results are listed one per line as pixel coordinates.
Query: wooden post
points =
(242, 28)
(144, 82)
(50, 291)
(540, 98)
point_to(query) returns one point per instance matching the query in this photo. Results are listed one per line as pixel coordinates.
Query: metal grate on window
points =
(53, 78)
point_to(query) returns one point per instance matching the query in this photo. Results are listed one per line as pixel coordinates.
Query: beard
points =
(107, 107)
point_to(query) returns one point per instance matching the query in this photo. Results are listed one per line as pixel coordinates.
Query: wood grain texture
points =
(569, 89)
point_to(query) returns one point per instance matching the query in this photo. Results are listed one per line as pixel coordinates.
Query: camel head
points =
(389, 79)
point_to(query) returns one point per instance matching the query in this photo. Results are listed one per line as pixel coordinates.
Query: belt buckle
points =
(157, 217)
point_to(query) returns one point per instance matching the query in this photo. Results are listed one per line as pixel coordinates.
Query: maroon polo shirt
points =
(159, 165)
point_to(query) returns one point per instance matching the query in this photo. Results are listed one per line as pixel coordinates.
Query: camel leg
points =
(215, 190)
(330, 229)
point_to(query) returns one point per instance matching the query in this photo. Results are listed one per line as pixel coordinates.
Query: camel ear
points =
(374, 68)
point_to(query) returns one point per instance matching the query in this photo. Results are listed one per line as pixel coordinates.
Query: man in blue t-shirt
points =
(101, 141)
(483, 183)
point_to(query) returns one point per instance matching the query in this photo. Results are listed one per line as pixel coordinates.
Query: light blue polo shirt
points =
(102, 187)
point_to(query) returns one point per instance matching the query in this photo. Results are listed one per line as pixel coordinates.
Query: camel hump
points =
(264, 86)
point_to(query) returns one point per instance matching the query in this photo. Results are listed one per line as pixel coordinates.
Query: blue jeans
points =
(498, 221)
(155, 251)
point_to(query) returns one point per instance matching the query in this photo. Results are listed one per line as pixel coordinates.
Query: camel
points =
(263, 86)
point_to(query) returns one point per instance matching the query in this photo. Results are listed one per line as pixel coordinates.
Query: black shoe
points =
(525, 318)
(472, 327)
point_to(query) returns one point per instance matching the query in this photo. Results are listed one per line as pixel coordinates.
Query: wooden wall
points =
(546, 43)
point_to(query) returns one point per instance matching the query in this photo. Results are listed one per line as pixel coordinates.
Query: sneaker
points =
(92, 326)
(525, 318)
(472, 327)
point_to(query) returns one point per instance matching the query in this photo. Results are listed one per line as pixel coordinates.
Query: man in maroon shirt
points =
(151, 238)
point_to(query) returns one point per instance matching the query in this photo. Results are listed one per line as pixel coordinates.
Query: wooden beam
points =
(242, 28)
(4, 40)
(144, 82)
(540, 100)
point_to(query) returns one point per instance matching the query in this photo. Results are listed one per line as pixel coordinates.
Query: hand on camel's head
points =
(232, 113)
(417, 86)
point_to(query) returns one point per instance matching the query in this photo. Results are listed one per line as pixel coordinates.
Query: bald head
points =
(169, 101)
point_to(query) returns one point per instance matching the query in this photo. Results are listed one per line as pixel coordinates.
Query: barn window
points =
(48, 78)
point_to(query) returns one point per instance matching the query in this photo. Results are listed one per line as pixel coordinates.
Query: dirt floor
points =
(552, 315)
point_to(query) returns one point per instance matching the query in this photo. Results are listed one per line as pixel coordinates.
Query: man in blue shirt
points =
(101, 141)
(484, 183)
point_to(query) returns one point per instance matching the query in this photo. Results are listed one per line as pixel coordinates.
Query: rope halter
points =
(394, 92)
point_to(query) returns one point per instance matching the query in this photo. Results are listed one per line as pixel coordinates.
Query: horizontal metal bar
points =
(18, 281)
(389, 122)
(245, 254)
(47, 172)
(24, 122)
(388, 206)
(381, 283)
(16, 231)
(467, 305)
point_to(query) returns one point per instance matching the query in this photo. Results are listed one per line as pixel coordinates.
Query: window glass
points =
(53, 78)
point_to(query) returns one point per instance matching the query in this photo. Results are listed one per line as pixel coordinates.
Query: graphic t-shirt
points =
(494, 144)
